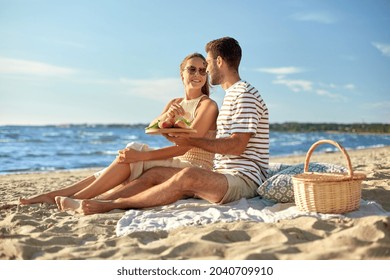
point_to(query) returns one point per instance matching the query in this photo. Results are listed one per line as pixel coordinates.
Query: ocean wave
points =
(37, 155)
(28, 170)
(370, 146)
(11, 135)
(26, 140)
(52, 134)
(6, 140)
(110, 153)
(82, 154)
(291, 143)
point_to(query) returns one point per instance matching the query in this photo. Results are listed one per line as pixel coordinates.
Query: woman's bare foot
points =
(66, 203)
(42, 198)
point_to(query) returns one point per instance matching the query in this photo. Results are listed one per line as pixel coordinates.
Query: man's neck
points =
(230, 80)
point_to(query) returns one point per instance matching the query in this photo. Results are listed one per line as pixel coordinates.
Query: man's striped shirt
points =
(244, 111)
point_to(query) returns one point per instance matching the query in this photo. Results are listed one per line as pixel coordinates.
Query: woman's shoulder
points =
(208, 104)
(206, 100)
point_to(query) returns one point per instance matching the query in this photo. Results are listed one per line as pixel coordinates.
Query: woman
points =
(138, 158)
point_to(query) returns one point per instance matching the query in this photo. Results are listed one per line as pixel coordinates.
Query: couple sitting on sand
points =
(219, 166)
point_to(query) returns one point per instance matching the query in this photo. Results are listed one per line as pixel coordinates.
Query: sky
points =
(117, 62)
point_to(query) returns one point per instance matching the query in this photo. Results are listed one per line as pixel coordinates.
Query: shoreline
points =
(41, 232)
(300, 158)
(86, 169)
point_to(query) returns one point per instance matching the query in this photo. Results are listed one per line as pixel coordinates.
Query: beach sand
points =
(42, 232)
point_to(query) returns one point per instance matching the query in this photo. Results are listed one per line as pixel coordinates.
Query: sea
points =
(64, 147)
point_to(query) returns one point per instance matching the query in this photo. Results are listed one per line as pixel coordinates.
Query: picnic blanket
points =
(192, 212)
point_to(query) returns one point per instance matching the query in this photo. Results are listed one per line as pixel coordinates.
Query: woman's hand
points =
(129, 156)
(175, 110)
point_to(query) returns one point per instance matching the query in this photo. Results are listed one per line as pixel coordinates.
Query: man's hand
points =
(180, 139)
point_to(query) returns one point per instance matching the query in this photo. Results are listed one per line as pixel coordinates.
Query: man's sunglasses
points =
(192, 70)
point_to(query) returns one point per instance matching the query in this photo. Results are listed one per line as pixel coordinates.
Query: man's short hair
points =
(228, 48)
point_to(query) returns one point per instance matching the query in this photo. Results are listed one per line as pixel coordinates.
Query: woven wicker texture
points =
(328, 192)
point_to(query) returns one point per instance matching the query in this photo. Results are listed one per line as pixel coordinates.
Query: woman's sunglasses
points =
(192, 70)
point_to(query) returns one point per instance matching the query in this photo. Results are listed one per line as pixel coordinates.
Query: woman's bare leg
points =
(113, 199)
(113, 175)
(49, 196)
(86, 188)
(188, 182)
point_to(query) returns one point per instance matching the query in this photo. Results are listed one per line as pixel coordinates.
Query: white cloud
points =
(158, 89)
(281, 70)
(335, 86)
(350, 86)
(295, 85)
(309, 86)
(383, 48)
(319, 17)
(301, 85)
(326, 93)
(28, 67)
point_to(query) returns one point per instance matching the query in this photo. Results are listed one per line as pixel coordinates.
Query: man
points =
(241, 147)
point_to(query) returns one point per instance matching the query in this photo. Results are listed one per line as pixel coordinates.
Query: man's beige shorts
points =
(238, 187)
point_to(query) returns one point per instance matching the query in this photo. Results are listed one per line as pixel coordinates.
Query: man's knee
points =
(158, 175)
(185, 174)
(151, 176)
(187, 178)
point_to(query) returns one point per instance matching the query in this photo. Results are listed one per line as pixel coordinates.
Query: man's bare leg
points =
(186, 183)
(148, 179)
(49, 196)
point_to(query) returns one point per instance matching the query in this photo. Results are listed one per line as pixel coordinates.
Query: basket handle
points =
(334, 143)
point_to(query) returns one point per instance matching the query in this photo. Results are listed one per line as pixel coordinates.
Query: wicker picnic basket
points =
(327, 192)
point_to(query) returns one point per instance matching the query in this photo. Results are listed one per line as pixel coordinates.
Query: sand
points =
(41, 232)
